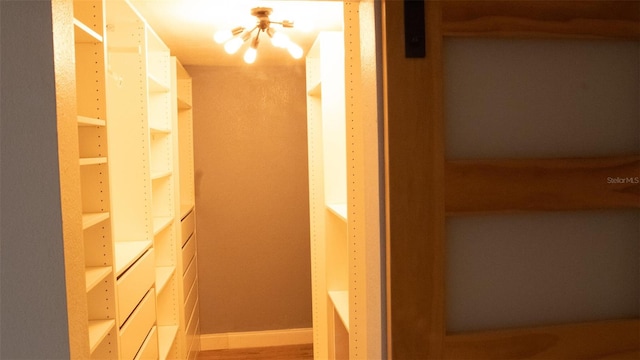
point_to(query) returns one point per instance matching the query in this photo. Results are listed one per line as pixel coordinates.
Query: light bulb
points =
(250, 55)
(294, 50)
(280, 40)
(232, 46)
(222, 36)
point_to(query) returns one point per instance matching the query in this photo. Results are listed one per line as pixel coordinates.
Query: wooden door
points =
(425, 187)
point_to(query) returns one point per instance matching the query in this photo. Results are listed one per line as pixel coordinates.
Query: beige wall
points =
(251, 198)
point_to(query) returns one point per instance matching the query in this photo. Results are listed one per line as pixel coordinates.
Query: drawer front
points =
(188, 225)
(190, 276)
(135, 330)
(188, 251)
(192, 327)
(190, 302)
(149, 349)
(134, 283)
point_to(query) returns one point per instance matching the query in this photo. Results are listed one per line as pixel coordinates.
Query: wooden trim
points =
(474, 186)
(573, 341)
(414, 186)
(561, 19)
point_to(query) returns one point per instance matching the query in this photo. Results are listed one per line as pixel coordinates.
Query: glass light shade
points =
(233, 45)
(294, 50)
(250, 55)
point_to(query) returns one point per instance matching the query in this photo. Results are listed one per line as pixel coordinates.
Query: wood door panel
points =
(594, 340)
(507, 185)
(422, 187)
(415, 194)
(563, 19)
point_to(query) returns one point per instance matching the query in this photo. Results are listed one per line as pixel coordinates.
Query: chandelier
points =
(233, 39)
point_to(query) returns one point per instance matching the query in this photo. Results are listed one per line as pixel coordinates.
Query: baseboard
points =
(252, 339)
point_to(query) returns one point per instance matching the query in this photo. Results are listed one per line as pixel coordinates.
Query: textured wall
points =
(33, 302)
(251, 198)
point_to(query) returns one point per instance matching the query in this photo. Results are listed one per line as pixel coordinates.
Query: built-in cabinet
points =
(136, 161)
(188, 245)
(344, 192)
(326, 129)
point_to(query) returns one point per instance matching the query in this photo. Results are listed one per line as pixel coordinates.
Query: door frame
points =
(420, 192)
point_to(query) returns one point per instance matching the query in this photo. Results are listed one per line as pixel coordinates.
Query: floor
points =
(289, 352)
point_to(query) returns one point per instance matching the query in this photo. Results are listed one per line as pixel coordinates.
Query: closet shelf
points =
(160, 223)
(315, 90)
(183, 104)
(340, 300)
(159, 130)
(160, 174)
(163, 275)
(90, 219)
(98, 330)
(84, 34)
(95, 274)
(157, 86)
(87, 121)
(340, 210)
(127, 252)
(93, 161)
(166, 338)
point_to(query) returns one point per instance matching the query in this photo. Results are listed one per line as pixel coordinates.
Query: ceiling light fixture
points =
(234, 38)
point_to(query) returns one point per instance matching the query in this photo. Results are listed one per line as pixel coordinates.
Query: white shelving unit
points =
(188, 255)
(328, 195)
(133, 206)
(343, 193)
(95, 180)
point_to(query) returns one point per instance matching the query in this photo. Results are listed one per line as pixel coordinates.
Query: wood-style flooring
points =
(289, 352)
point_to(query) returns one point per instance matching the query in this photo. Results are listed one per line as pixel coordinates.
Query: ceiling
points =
(187, 27)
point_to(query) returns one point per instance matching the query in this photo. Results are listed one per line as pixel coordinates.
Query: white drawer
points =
(190, 276)
(188, 224)
(134, 332)
(134, 283)
(190, 302)
(188, 250)
(192, 325)
(149, 349)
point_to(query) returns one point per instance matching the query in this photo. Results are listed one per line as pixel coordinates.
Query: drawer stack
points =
(190, 282)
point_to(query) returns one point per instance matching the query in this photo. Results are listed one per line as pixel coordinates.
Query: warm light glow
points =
(294, 50)
(233, 40)
(252, 51)
(222, 36)
(250, 55)
(305, 26)
(280, 40)
(233, 45)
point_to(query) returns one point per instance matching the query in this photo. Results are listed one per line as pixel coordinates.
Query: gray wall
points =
(252, 198)
(33, 313)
